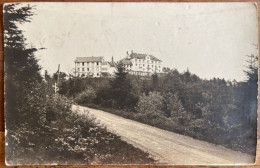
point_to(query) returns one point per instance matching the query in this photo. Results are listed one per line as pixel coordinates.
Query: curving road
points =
(167, 147)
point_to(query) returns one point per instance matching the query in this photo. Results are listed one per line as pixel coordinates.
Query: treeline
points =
(41, 127)
(218, 111)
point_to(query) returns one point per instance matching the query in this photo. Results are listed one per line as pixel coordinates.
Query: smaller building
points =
(108, 68)
(88, 66)
(94, 67)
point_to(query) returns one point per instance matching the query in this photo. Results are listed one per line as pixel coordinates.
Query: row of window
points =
(141, 73)
(88, 69)
(142, 60)
(144, 70)
(140, 66)
(87, 63)
(93, 74)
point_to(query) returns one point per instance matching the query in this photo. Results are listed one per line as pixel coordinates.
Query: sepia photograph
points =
(154, 83)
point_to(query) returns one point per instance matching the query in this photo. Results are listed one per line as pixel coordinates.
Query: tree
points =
(121, 88)
(155, 82)
(151, 106)
(21, 66)
(175, 109)
(250, 90)
(20, 62)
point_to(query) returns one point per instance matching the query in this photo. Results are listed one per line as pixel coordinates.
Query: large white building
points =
(93, 67)
(142, 64)
(135, 64)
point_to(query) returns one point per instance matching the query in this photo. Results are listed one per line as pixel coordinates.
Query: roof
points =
(88, 59)
(142, 56)
(127, 61)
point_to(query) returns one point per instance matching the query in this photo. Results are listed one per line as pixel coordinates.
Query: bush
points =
(150, 106)
(87, 96)
(65, 136)
(175, 109)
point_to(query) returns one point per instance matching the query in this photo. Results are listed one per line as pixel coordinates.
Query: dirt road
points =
(167, 147)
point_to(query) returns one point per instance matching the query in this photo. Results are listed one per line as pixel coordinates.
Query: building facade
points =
(108, 68)
(142, 64)
(93, 67)
(134, 63)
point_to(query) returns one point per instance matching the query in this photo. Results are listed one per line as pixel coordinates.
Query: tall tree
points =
(155, 82)
(251, 87)
(21, 66)
(121, 88)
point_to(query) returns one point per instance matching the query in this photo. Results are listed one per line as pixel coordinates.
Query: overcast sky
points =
(211, 39)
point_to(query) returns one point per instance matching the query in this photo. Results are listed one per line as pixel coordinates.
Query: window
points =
(82, 63)
(135, 60)
(152, 61)
(97, 74)
(97, 63)
(83, 69)
(87, 69)
(78, 69)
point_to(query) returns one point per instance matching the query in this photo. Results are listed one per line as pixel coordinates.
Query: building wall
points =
(112, 70)
(144, 66)
(92, 69)
(135, 66)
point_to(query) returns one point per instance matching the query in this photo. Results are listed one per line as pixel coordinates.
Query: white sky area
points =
(211, 39)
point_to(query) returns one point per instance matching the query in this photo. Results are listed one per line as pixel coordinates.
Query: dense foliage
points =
(218, 111)
(41, 126)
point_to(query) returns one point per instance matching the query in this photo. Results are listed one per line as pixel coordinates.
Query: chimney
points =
(112, 59)
(131, 51)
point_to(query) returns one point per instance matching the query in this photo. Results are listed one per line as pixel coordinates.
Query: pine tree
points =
(21, 66)
(155, 82)
(250, 98)
(121, 88)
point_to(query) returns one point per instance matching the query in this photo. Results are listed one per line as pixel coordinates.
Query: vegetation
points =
(218, 111)
(41, 126)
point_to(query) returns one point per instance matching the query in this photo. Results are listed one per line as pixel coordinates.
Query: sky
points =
(210, 39)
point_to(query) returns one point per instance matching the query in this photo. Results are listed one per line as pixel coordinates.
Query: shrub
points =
(64, 136)
(150, 106)
(175, 109)
(86, 96)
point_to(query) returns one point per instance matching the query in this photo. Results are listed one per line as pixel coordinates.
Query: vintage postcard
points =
(130, 83)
